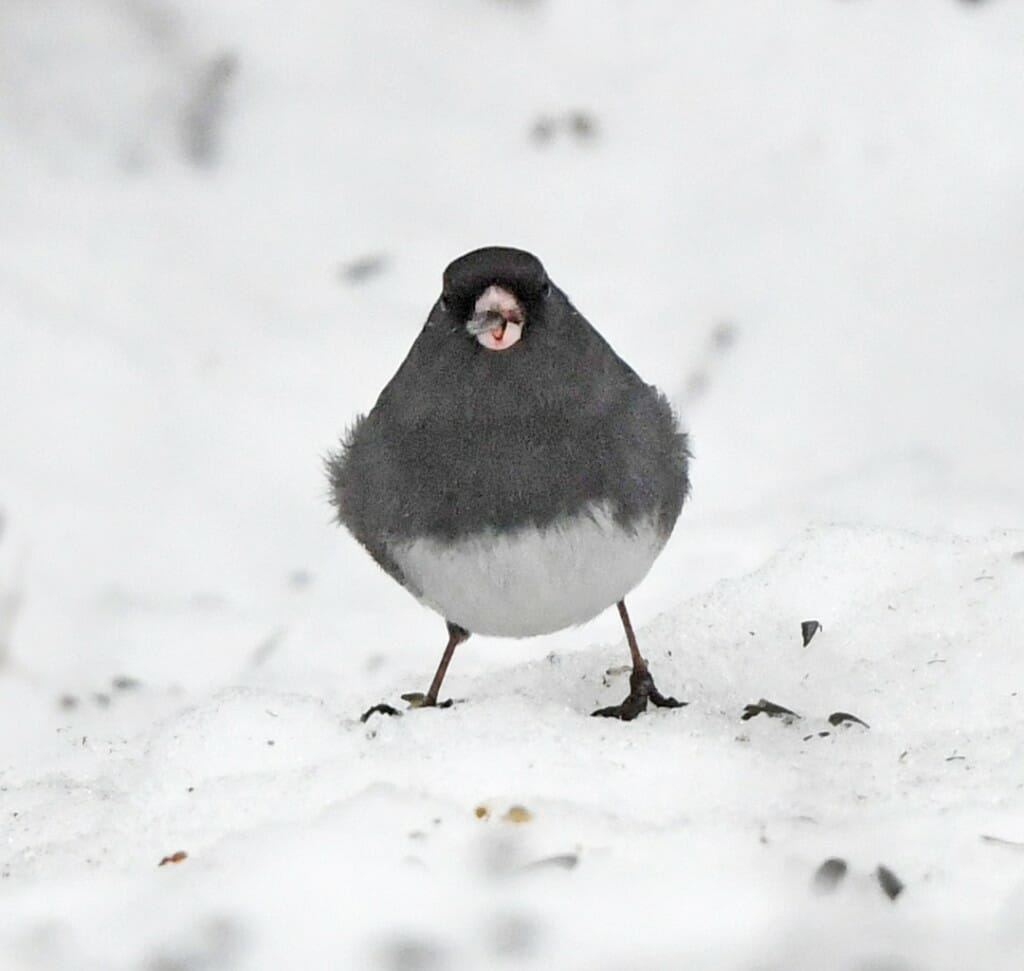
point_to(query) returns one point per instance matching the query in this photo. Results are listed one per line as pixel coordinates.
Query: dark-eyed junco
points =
(515, 475)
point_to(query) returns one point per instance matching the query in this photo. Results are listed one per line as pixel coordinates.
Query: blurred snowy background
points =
(221, 226)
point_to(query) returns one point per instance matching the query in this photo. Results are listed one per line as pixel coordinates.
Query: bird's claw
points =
(641, 690)
(414, 699)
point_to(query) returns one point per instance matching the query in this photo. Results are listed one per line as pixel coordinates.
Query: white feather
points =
(531, 581)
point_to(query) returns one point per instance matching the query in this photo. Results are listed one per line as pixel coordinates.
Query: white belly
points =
(532, 581)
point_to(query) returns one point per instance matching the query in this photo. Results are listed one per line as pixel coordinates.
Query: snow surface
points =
(803, 219)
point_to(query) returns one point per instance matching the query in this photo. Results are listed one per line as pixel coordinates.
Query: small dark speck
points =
(270, 741)
(191, 789)
(765, 707)
(808, 629)
(101, 699)
(299, 579)
(956, 758)
(67, 702)
(175, 857)
(845, 718)
(892, 885)
(1018, 557)
(124, 683)
(362, 268)
(830, 874)
(582, 124)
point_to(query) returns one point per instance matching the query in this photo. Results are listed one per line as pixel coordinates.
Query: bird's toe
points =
(641, 690)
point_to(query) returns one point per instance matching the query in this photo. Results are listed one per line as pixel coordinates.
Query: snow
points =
(803, 220)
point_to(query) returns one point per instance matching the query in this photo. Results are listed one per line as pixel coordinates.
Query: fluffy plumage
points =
(531, 580)
(473, 462)
(463, 439)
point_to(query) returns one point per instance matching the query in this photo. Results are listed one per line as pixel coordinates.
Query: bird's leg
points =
(641, 685)
(456, 635)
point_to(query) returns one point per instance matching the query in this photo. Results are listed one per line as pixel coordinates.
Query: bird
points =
(515, 475)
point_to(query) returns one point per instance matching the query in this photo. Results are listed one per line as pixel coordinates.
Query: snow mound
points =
(688, 836)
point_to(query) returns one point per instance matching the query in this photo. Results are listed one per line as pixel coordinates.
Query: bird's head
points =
(493, 294)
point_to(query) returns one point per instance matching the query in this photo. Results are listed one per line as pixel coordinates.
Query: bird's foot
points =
(415, 699)
(641, 690)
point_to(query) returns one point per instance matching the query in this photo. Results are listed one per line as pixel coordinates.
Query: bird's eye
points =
(442, 303)
(547, 289)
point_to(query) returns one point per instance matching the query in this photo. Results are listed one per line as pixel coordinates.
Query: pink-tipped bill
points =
(496, 304)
